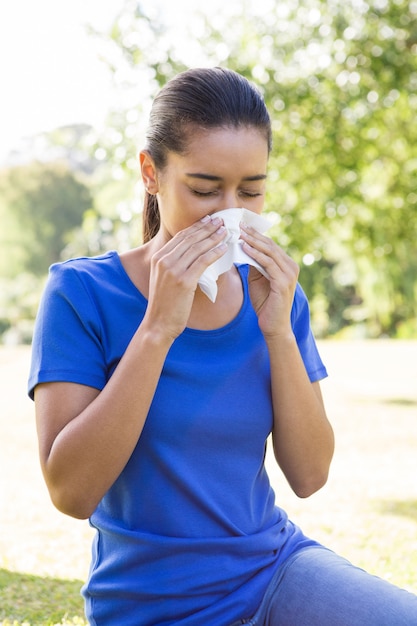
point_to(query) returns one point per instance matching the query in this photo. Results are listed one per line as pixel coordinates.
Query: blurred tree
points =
(40, 205)
(339, 78)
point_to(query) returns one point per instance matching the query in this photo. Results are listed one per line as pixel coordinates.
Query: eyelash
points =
(207, 194)
(202, 194)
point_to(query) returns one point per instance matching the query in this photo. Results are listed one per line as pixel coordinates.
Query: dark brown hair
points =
(204, 98)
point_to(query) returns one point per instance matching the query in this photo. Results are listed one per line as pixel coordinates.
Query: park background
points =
(340, 81)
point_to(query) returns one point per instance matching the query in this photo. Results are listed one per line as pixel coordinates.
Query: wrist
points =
(155, 335)
(280, 339)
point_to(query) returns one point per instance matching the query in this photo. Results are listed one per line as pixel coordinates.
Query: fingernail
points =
(205, 219)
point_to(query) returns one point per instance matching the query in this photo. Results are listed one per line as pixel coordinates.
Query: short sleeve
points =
(300, 320)
(67, 343)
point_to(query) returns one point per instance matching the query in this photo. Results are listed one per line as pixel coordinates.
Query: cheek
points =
(179, 209)
(174, 216)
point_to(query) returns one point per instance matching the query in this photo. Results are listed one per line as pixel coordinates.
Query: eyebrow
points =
(218, 178)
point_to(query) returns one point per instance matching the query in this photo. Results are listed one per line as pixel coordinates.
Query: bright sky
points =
(49, 68)
(50, 74)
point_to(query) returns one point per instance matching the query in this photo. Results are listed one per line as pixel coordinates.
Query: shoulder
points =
(78, 284)
(89, 274)
(86, 266)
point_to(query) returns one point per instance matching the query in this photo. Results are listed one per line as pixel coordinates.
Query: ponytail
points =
(150, 217)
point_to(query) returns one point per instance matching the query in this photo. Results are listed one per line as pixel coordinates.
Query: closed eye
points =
(206, 194)
(202, 194)
(251, 194)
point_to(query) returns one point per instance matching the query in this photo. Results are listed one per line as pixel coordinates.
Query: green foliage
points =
(339, 79)
(19, 301)
(340, 82)
(41, 204)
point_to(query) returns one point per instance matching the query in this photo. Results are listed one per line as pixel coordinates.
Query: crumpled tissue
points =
(234, 254)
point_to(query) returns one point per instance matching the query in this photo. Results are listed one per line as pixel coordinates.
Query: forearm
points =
(302, 435)
(91, 450)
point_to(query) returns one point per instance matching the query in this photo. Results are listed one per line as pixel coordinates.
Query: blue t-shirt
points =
(189, 534)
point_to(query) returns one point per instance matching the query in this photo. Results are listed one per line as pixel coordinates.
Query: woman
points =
(154, 404)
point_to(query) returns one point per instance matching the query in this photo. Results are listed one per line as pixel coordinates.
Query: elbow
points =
(307, 479)
(71, 504)
(310, 485)
(68, 495)
(77, 510)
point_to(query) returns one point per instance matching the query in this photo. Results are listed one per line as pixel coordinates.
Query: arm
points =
(302, 435)
(86, 436)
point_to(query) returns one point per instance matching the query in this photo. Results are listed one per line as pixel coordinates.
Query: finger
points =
(266, 252)
(277, 265)
(200, 253)
(199, 230)
(191, 256)
(194, 233)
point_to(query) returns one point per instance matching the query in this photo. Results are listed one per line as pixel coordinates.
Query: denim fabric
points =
(316, 587)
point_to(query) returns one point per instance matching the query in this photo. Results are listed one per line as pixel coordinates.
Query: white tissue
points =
(234, 254)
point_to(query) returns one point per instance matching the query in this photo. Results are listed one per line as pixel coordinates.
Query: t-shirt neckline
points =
(242, 269)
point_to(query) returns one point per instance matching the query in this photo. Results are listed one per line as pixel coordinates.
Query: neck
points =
(207, 315)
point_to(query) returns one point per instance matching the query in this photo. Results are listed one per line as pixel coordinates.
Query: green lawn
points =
(367, 511)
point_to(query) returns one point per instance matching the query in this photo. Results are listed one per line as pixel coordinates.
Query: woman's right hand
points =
(175, 271)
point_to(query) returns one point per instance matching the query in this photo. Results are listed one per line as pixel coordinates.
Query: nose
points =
(230, 200)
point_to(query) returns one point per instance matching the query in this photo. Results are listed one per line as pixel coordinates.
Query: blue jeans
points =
(316, 587)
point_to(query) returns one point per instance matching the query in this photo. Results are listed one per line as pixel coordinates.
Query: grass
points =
(29, 599)
(367, 511)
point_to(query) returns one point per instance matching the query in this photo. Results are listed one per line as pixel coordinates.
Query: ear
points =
(148, 171)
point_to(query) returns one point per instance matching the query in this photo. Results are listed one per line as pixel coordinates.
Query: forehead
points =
(226, 145)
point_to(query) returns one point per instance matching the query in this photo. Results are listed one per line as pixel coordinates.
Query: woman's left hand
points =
(272, 299)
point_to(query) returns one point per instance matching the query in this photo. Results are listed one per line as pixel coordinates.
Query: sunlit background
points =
(51, 70)
(50, 67)
(340, 81)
